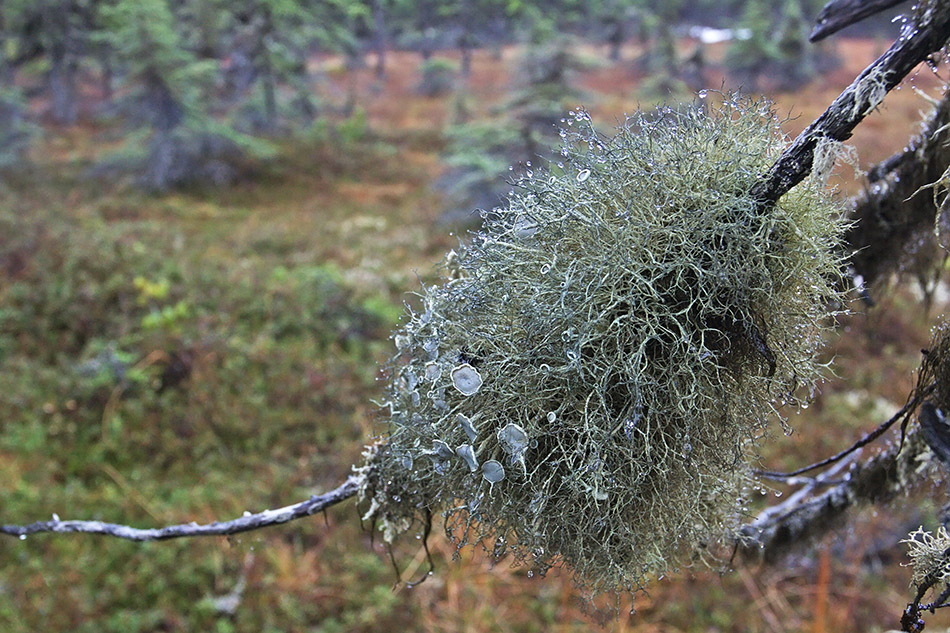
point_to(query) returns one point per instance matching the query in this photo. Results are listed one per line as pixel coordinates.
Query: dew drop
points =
(433, 371)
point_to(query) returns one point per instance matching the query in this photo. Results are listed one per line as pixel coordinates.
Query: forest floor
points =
(190, 356)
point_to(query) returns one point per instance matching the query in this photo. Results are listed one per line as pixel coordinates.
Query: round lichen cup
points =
(590, 381)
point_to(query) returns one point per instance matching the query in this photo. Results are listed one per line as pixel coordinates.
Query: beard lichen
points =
(587, 385)
(930, 558)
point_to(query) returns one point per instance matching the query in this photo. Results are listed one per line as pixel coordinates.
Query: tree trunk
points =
(108, 73)
(379, 38)
(465, 39)
(62, 88)
(268, 82)
(166, 114)
(615, 39)
(164, 110)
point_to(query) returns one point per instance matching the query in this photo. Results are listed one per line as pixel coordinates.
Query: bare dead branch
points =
(935, 429)
(817, 509)
(246, 523)
(915, 45)
(839, 14)
(888, 215)
(901, 414)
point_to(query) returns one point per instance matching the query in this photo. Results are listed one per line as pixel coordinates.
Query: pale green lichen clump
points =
(930, 558)
(587, 385)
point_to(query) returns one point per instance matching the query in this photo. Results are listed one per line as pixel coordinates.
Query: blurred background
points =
(211, 214)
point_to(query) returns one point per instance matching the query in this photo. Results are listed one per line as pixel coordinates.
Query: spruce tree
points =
(749, 56)
(176, 139)
(58, 33)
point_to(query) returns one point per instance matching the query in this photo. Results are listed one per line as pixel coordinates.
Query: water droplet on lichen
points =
(466, 379)
(524, 227)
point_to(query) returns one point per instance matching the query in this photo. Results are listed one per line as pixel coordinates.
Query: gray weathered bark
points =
(893, 213)
(916, 44)
(246, 523)
(824, 502)
(839, 14)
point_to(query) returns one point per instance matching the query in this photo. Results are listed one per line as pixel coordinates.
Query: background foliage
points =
(211, 214)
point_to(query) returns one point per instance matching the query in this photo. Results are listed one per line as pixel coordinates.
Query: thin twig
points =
(246, 523)
(864, 441)
(911, 621)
